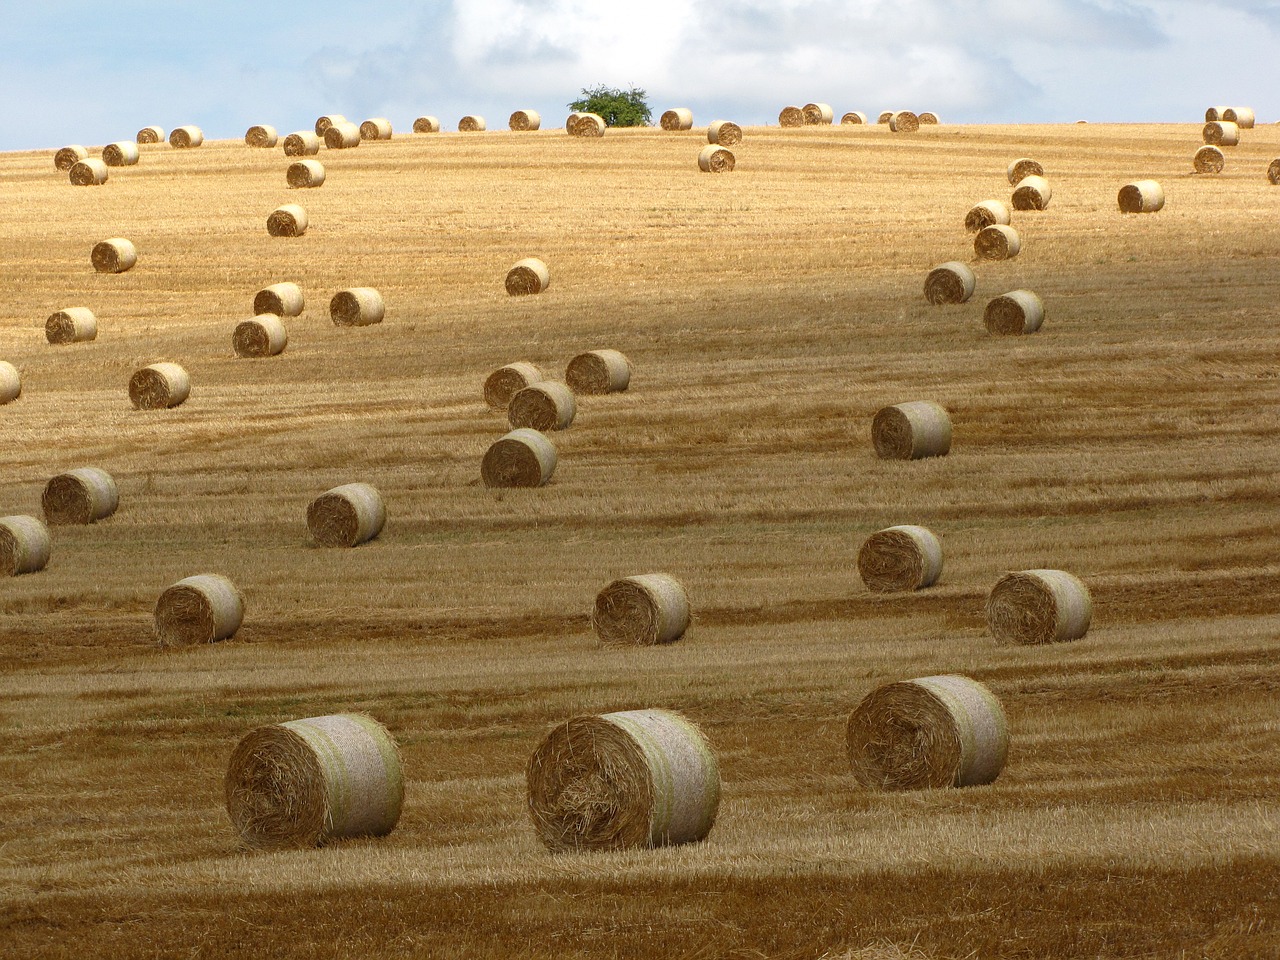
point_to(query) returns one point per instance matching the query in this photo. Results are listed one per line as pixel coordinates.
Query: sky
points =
(91, 73)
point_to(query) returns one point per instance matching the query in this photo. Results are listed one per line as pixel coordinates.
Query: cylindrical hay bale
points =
(715, 159)
(287, 220)
(525, 120)
(24, 545)
(72, 325)
(84, 495)
(950, 282)
(598, 371)
(1214, 113)
(855, 117)
(1273, 171)
(636, 779)
(589, 125)
(1018, 170)
(1208, 159)
(159, 386)
(327, 121)
(818, 113)
(186, 137)
(305, 173)
(305, 782)
(124, 153)
(546, 405)
(282, 299)
(791, 117)
(912, 431)
(150, 135)
(904, 121)
(985, 213)
(69, 156)
(570, 122)
(904, 557)
(644, 610)
(261, 135)
(885, 117)
(261, 336)
(1242, 117)
(1032, 193)
(522, 458)
(1141, 196)
(929, 118)
(724, 132)
(471, 123)
(88, 173)
(303, 143)
(10, 382)
(528, 276)
(1039, 606)
(933, 732)
(346, 516)
(426, 125)
(200, 609)
(1221, 134)
(115, 255)
(1015, 313)
(505, 382)
(357, 307)
(375, 128)
(342, 136)
(677, 118)
(997, 242)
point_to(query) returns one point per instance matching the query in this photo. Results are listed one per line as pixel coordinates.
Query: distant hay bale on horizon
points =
(150, 135)
(854, 117)
(205, 608)
(1141, 196)
(1021, 168)
(726, 133)
(10, 382)
(911, 431)
(524, 120)
(305, 173)
(1032, 193)
(260, 336)
(1015, 313)
(521, 458)
(1242, 117)
(589, 125)
(598, 372)
(676, 119)
(900, 558)
(375, 128)
(929, 118)
(1039, 606)
(71, 325)
(122, 153)
(301, 143)
(997, 242)
(426, 124)
(904, 121)
(506, 381)
(1220, 133)
(527, 277)
(68, 156)
(1208, 159)
(327, 121)
(357, 307)
(282, 299)
(471, 123)
(347, 515)
(159, 386)
(24, 545)
(287, 220)
(643, 610)
(791, 117)
(342, 136)
(714, 158)
(885, 116)
(986, 212)
(816, 114)
(114, 255)
(543, 406)
(1214, 113)
(186, 137)
(261, 135)
(950, 282)
(80, 496)
(91, 172)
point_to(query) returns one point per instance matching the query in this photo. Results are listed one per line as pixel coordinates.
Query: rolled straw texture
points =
(159, 387)
(113, 256)
(1015, 313)
(1273, 171)
(598, 371)
(904, 557)
(1208, 159)
(724, 132)
(287, 220)
(885, 117)
(528, 276)
(1141, 196)
(525, 120)
(1214, 113)
(677, 118)
(260, 336)
(505, 382)
(950, 282)
(929, 118)
(123, 153)
(426, 125)
(88, 173)
(818, 113)
(854, 117)
(186, 137)
(83, 495)
(305, 173)
(282, 299)
(904, 121)
(357, 307)
(346, 516)
(635, 779)
(522, 458)
(1221, 133)
(375, 128)
(200, 609)
(150, 135)
(1032, 193)
(327, 121)
(932, 732)
(10, 382)
(342, 136)
(985, 213)
(912, 431)
(586, 125)
(1242, 117)
(1039, 606)
(791, 117)
(261, 135)
(305, 782)
(1021, 168)
(24, 545)
(471, 123)
(643, 610)
(302, 143)
(997, 242)
(715, 159)
(72, 325)
(69, 156)
(543, 406)
(570, 121)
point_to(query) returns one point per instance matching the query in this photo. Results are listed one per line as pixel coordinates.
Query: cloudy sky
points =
(76, 72)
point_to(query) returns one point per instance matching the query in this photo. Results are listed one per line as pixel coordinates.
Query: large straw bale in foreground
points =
(1021, 168)
(950, 282)
(1220, 133)
(72, 325)
(1032, 193)
(427, 124)
(357, 307)
(159, 386)
(200, 609)
(1015, 313)
(677, 118)
(282, 299)
(375, 128)
(1141, 196)
(726, 133)
(301, 143)
(854, 117)
(471, 123)
(262, 136)
(635, 779)
(912, 431)
(10, 382)
(327, 121)
(904, 121)
(68, 156)
(1242, 117)
(505, 382)
(115, 255)
(818, 113)
(985, 213)
(905, 557)
(186, 137)
(342, 135)
(997, 242)
(715, 159)
(260, 336)
(524, 120)
(346, 516)
(88, 173)
(932, 732)
(80, 496)
(123, 153)
(150, 135)
(528, 276)
(522, 458)
(306, 173)
(1039, 606)
(306, 782)
(598, 371)
(543, 406)
(1208, 159)
(287, 220)
(24, 545)
(643, 610)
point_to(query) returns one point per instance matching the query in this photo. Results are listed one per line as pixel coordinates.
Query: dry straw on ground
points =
(1208, 159)
(69, 156)
(1014, 313)
(1273, 171)
(375, 128)
(159, 386)
(88, 173)
(598, 371)
(1221, 133)
(24, 545)
(523, 120)
(636, 779)
(997, 242)
(327, 121)
(1032, 193)
(150, 135)
(471, 123)
(791, 117)
(1021, 168)
(83, 495)
(505, 382)
(546, 405)
(1141, 196)
(115, 255)
(677, 118)
(123, 153)
(522, 458)
(346, 516)
(287, 220)
(816, 114)
(1039, 606)
(261, 135)
(260, 336)
(200, 609)
(950, 282)
(305, 173)
(726, 133)
(302, 143)
(905, 557)
(715, 159)
(528, 276)
(588, 125)
(929, 118)
(306, 782)
(911, 431)
(186, 137)
(904, 121)
(357, 307)
(885, 116)
(72, 325)
(342, 136)
(1242, 117)
(932, 732)
(855, 117)
(10, 382)
(282, 299)
(644, 610)
(427, 124)
(986, 212)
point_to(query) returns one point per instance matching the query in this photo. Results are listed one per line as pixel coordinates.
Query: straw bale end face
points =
(113, 256)
(357, 307)
(81, 496)
(900, 558)
(346, 516)
(912, 431)
(200, 609)
(24, 545)
(289, 220)
(159, 386)
(644, 610)
(522, 458)
(528, 276)
(10, 382)
(951, 282)
(1039, 606)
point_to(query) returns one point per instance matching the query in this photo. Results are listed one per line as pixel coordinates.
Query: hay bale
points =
(327, 121)
(205, 608)
(186, 137)
(644, 610)
(123, 153)
(282, 299)
(426, 125)
(911, 431)
(932, 732)
(505, 382)
(24, 545)
(305, 173)
(523, 120)
(904, 557)
(1021, 168)
(546, 405)
(1242, 117)
(83, 495)
(150, 135)
(928, 118)
(1214, 113)
(677, 118)
(1015, 313)
(261, 135)
(1032, 193)
(471, 123)
(69, 156)
(287, 220)
(10, 382)
(72, 325)
(904, 121)
(346, 516)
(260, 336)
(375, 128)
(950, 282)
(818, 113)
(715, 159)
(587, 125)
(1208, 159)
(342, 136)
(1141, 196)
(306, 782)
(570, 121)
(635, 779)
(986, 212)
(521, 458)
(88, 173)
(856, 117)
(357, 307)
(724, 132)
(598, 371)
(528, 276)
(159, 386)
(791, 117)
(1039, 606)
(885, 116)
(1221, 134)
(302, 143)
(997, 242)
(115, 255)
(1273, 171)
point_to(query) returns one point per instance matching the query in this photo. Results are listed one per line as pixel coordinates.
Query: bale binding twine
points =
(1021, 168)
(644, 610)
(72, 325)
(302, 143)
(282, 299)
(598, 371)
(985, 213)
(726, 133)
(186, 137)
(346, 516)
(911, 431)
(522, 458)
(1208, 159)
(357, 307)
(905, 557)
(115, 255)
(1141, 196)
(677, 118)
(10, 382)
(287, 220)
(150, 135)
(88, 173)
(505, 382)
(528, 276)
(123, 153)
(524, 120)
(715, 159)
(159, 386)
(24, 545)
(997, 242)
(1039, 606)
(950, 282)
(1015, 313)
(80, 496)
(260, 336)
(1032, 193)
(262, 136)
(546, 405)
(304, 173)
(200, 609)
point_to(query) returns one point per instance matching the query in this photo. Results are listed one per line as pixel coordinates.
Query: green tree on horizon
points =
(618, 108)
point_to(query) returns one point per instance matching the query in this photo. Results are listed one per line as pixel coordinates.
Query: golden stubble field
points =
(768, 314)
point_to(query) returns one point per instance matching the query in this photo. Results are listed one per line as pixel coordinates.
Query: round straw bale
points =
(1032, 193)
(426, 125)
(342, 136)
(123, 153)
(69, 156)
(1273, 171)
(72, 325)
(528, 276)
(357, 307)
(1221, 134)
(929, 118)
(715, 159)
(10, 382)
(521, 458)
(24, 545)
(200, 609)
(305, 173)
(83, 495)
(505, 382)
(186, 137)
(546, 405)
(159, 386)
(997, 242)
(1039, 606)
(950, 282)
(150, 135)
(88, 173)
(327, 121)
(818, 113)
(636, 779)
(643, 610)
(115, 255)
(588, 125)
(885, 116)
(904, 557)
(261, 336)
(1214, 113)
(287, 220)
(261, 135)
(525, 120)
(570, 121)
(1242, 117)
(985, 213)
(303, 143)
(932, 732)
(1141, 196)
(791, 117)
(677, 118)
(1208, 159)
(724, 132)
(375, 128)
(854, 117)
(1014, 313)
(471, 123)
(904, 121)
(1018, 170)
(598, 371)
(346, 516)
(305, 782)
(911, 431)
(282, 299)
